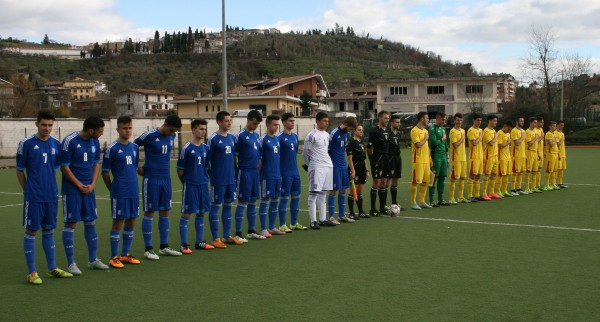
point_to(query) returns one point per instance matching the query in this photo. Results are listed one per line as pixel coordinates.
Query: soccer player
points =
(320, 170)
(458, 159)
(221, 152)
(562, 154)
(504, 159)
(541, 154)
(247, 157)
(156, 185)
(193, 174)
(270, 176)
(338, 139)
(438, 143)
(290, 178)
(475, 137)
(421, 161)
(122, 159)
(551, 158)
(531, 141)
(377, 150)
(395, 160)
(519, 157)
(358, 170)
(80, 166)
(38, 157)
(490, 158)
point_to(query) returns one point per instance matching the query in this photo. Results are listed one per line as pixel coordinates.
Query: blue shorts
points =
(125, 208)
(270, 188)
(224, 193)
(79, 207)
(341, 178)
(290, 185)
(247, 185)
(39, 215)
(156, 193)
(195, 199)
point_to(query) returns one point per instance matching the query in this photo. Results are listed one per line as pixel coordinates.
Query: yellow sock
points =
(547, 178)
(527, 178)
(492, 186)
(499, 184)
(413, 193)
(452, 188)
(461, 188)
(553, 178)
(476, 188)
(560, 176)
(538, 178)
(486, 183)
(470, 185)
(504, 184)
(422, 193)
(519, 180)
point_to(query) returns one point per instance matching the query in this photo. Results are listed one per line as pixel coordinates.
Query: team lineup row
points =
(242, 167)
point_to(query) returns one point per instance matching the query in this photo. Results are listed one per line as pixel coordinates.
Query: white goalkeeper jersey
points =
(315, 151)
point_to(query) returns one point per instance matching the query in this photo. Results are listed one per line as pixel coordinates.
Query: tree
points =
(24, 102)
(46, 40)
(156, 43)
(305, 104)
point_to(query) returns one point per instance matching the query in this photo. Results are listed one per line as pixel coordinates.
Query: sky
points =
(493, 35)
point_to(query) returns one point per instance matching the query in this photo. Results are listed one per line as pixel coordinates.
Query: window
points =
(435, 90)
(218, 108)
(342, 106)
(398, 90)
(290, 87)
(129, 107)
(474, 89)
(213, 108)
(370, 105)
(207, 108)
(356, 104)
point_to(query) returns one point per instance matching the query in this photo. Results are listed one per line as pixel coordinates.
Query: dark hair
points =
(477, 116)
(540, 118)
(420, 115)
(198, 122)
(532, 119)
(45, 115)
(124, 119)
(491, 117)
(254, 114)
(552, 123)
(221, 116)
(560, 122)
(173, 120)
(458, 115)
(350, 121)
(286, 116)
(509, 123)
(440, 113)
(92, 123)
(271, 118)
(394, 117)
(321, 115)
(382, 113)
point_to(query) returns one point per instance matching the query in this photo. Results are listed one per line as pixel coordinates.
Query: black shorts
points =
(395, 167)
(380, 166)
(360, 173)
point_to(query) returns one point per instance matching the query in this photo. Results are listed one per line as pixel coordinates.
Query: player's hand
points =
(427, 136)
(140, 171)
(305, 167)
(352, 174)
(444, 137)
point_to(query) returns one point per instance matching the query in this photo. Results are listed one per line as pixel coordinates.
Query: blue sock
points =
(127, 240)
(342, 204)
(239, 216)
(199, 225)
(49, 248)
(163, 229)
(115, 239)
(68, 243)
(331, 205)
(294, 209)
(147, 231)
(29, 248)
(283, 201)
(213, 217)
(273, 213)
(251, 215)
(262, 214)
(226, 217)
(183, 230)
(91, 237)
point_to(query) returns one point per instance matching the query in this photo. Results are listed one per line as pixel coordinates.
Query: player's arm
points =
(370, 143)
(66, 171)
(351, 165)
(106, 179)
(140, 143)
(22, 178)
(95, 174)
(414, 136)
(307, 151)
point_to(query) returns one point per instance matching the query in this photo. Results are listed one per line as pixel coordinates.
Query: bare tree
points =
(578, 85)
(24, 103)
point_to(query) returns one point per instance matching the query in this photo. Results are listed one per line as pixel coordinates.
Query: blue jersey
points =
(288, 151)
(192, 160)
(221, 150)
(122, 160)
(157, 152)
(39, 159)
(247, 150)
(270, 165)
(80, 156)
(337, 147)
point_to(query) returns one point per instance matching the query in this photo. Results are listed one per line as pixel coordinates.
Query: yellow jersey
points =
(540, 133)
(504, 138)
(489, 151)
(553, 149)
(562, 152)
(475, 151)
(518, 149)
(531, 135)
(419, 155)
(457, 153)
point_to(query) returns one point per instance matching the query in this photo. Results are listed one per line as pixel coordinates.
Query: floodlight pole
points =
(224, 57)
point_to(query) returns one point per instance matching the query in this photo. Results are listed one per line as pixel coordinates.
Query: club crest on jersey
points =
(93, 149)
(53, 151)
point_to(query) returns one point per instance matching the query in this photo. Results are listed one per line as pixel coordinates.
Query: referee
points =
(378, 149)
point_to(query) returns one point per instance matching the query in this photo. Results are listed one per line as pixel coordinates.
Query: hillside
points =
(343, 60)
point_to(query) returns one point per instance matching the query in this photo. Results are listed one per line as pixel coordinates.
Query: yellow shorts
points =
(421, 173)
(504, 167)
(459, 170)
(519, 165)
(491, 165)
(476, 167)
(562, 163)
(551, 162)
(532, 161)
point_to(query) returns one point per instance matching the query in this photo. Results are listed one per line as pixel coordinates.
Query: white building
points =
(144, 102)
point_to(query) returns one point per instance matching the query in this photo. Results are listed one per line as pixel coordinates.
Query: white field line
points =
(498, 223)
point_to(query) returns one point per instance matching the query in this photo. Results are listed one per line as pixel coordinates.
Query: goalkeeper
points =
(438, 143)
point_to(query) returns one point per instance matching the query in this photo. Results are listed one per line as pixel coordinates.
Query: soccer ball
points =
(394, 210)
